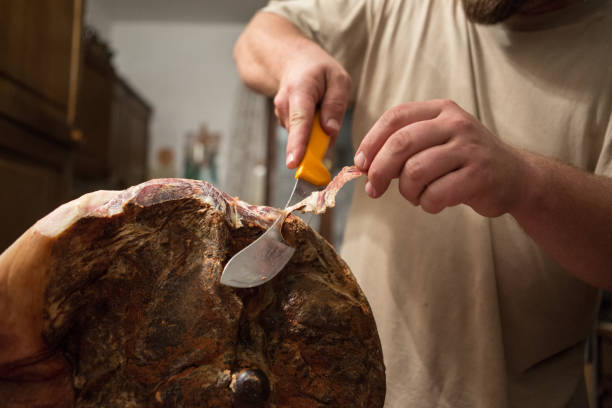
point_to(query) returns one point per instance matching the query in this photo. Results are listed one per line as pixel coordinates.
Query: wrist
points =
(535, 182)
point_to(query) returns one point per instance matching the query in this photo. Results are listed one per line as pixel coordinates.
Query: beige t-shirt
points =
(470, 311)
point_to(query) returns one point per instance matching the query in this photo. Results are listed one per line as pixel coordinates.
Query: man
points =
(485, 130)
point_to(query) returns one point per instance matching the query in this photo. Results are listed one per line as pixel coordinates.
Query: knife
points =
(265, 257)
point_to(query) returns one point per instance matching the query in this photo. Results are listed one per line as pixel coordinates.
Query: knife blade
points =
(265, 257)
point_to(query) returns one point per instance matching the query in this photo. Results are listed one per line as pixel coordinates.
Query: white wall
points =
(185, 70)
(96, 15)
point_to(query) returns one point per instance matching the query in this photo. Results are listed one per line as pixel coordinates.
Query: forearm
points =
(267, 43)
(568, 212)
(274, 58)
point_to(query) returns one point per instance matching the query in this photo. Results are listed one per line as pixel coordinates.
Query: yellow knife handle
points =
(311, 169)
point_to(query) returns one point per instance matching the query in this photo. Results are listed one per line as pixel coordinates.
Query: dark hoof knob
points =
(250, 389)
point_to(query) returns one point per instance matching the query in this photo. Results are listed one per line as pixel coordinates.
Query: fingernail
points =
(289, 159)
(370, 190)
(333, 125)
(360, 160)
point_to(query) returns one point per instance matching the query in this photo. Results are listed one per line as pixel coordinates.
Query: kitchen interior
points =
(106, 94)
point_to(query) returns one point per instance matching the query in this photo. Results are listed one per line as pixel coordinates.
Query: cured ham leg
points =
(113, 300)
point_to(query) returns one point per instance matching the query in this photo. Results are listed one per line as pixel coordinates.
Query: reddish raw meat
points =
(319, 201)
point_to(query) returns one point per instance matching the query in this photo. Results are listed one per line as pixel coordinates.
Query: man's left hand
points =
(443, 156)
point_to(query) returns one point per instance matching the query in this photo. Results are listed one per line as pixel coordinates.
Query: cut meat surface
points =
(114, 300)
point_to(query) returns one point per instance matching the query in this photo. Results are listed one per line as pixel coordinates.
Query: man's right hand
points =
(309, 78)
(275, 58)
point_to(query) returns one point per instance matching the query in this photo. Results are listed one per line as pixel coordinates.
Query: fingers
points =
(425, 167)
(447, 191)
(281, 107)
(400, 147)
(335, 101)
(301, 112)
(442, 155)
(324, 82)
(391, 121)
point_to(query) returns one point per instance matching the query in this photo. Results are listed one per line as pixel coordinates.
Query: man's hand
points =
(443, 157)
(311, 78)
(273, 57)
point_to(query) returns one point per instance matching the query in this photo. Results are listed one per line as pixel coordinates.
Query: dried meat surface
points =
(114, 300)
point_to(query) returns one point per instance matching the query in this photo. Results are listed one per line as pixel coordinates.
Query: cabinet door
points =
(29, 191)
(34, 175)
(139, 140)
(129, 136)
(93, 120)
(39, 61)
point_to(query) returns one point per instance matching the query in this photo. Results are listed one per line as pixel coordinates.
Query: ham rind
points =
(114, 300)
(319, 201)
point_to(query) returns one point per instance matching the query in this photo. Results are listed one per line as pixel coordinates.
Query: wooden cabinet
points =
(39, 65)
(35, 178)
(68, 123)
(130, 116)
(112, 121)
(93, 115)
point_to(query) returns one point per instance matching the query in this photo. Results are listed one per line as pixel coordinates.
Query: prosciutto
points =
(114, 300)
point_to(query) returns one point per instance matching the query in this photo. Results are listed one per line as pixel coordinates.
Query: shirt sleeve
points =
(339, 27)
